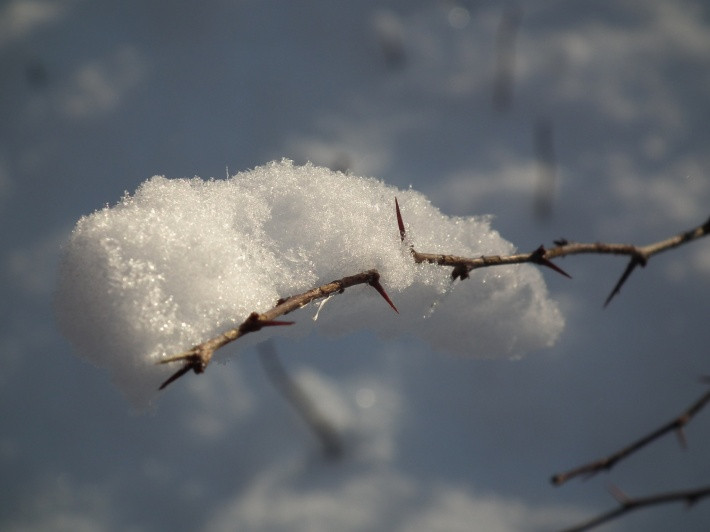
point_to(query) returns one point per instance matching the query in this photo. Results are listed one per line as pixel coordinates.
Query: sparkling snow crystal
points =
(184, 259)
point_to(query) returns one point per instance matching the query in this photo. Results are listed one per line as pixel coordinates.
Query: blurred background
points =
(585, 120)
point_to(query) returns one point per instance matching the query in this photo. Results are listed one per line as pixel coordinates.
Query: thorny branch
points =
(604, 464)
(627, 504)
(639, 255)
(198, 357)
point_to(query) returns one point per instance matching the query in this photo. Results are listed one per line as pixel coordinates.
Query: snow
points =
(181, 260)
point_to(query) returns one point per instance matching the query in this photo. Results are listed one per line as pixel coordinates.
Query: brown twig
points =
(604, 464)
(627, 504)
(639, 255)
(198, 357)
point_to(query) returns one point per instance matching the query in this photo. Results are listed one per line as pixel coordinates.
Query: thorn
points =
(273, 323)
(561, 242)
(400, 222)
(635, 261)
(681, 437)
(175, 376)
(375, 283)
(190, 356)
(619, 495)
(538, 257)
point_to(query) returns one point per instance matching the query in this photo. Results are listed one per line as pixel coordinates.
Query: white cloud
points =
(364, 141)
(62, 505)
(283, 499)
(677, 193)
(216, 402)
(622, 69)
(278, 501)
(99, 87)
(453, 509)
(474, 191)
(19, 18)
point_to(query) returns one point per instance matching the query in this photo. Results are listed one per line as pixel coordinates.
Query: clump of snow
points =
(184, 259)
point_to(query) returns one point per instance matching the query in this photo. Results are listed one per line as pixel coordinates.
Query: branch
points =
(639, 255)
(604, 464)
(198, 357)
(627, 505)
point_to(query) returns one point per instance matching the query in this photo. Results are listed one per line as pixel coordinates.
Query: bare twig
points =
(299, 399)
(627, 504)
(604, 464)
(198, 357)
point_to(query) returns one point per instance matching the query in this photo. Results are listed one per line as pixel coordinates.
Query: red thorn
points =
(400, 222)
(538, 257)
(377, 286)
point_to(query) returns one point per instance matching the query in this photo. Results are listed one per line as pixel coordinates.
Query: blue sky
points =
(98, 96)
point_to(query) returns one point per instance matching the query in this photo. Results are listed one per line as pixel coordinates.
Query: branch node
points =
(196, 359)
(538, 257)
(460, 271)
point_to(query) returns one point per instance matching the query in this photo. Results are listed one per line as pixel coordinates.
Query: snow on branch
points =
(182, 260)
(198, 357)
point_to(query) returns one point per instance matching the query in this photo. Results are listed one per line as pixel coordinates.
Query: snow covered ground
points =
(603, 102)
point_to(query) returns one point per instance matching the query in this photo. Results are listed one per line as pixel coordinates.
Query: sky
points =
(594, 128)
